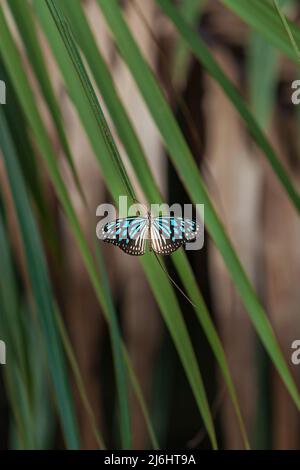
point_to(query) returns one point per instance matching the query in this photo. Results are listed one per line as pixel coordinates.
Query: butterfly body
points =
(164, 234)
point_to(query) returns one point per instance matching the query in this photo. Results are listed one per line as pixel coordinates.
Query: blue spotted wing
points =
(129, 234)
(167, 233)
(170, 233)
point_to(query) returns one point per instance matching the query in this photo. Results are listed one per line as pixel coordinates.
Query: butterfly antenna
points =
(173, 282)
(145, 207)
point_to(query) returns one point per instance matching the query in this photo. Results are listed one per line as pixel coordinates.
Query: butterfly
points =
(165, 234)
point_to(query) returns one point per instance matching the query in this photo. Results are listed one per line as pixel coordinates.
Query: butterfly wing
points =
(170, 233)
(129, 234)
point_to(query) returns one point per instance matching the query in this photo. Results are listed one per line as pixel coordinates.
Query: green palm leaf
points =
(188, 172)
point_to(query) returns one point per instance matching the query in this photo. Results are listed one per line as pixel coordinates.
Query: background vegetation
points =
(186, 101)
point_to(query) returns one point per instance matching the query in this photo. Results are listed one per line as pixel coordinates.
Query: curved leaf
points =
(189, 174)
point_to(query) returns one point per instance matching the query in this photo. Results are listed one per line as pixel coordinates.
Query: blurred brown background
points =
(260, 220)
